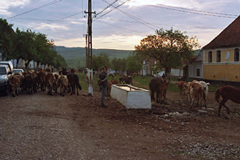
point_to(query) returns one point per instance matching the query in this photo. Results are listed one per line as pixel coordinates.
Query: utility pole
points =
(87, 64)
(89, 47)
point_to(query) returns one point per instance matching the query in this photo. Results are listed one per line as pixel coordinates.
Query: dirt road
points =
(41, 126)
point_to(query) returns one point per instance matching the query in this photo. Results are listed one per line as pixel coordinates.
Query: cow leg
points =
(228, 111)
(152, 96)
(13, 92)
(222, 103)
(72, 89)
(157, 97)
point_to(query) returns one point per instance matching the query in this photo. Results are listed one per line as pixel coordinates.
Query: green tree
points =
(6, 35)
(100, 60)
(170, 48)
(60, 61)
(41, 46)
(116, 63)
(123, 65)
(133, 65)
(17, 46)
(28, 50)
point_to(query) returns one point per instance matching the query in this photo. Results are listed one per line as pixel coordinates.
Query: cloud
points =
(52, 27)
(6, 4)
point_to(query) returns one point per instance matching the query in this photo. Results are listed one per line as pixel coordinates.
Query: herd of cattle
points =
(197, 91)
(31, 80)
(68, 81)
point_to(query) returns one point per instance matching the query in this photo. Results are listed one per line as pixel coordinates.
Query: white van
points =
(9, 63)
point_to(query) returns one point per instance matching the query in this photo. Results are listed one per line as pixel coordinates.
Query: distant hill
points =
(76, 58)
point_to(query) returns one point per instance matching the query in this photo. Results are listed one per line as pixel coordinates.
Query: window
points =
(198, 72)
(210, 56)
(218, 56)
(236, 54)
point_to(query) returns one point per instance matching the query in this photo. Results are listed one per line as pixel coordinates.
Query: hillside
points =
(76, 58)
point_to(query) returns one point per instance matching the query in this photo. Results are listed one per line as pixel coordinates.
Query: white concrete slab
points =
(131, 96)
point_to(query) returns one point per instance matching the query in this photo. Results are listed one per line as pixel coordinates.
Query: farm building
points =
(221, 55)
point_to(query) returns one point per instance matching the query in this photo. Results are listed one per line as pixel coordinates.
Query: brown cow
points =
(114, 81)
(63, 84)
(196, 94)
(50, 79)
(73, 81)
(109, 85)
(180, 85)
(227, 93)
(15, 83)
(42, 80)
(158, 85)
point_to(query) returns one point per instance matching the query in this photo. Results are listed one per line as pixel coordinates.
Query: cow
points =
(134, 74)
(42, 80)
(63, 84)
(114, 81)
(73, 81)
(196, 94)
(227, 93)
(205, 88)
(158, 85)
(55, 83)
(27, 83)
(109, 85)
(50, 79)
(34, 81)
(180, 86)
(15, 83)
(126, 80)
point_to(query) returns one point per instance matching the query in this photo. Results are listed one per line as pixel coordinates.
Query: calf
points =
(15, 83)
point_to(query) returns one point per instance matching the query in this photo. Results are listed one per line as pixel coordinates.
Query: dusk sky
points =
(122, 27)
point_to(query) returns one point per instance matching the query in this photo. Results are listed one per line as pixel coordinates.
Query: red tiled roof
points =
(229, 37)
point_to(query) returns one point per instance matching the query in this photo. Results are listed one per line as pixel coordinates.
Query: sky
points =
(119, 24)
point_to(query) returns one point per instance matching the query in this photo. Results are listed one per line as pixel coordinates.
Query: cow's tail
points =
(217, 95)
(79, 86)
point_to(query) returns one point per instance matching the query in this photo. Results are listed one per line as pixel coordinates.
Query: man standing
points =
(102, 82)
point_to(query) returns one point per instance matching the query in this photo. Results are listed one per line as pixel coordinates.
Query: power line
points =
(112, 9)
(226, 14)
(136, 19)
(106, 7)
(48, 4)
(180, 9)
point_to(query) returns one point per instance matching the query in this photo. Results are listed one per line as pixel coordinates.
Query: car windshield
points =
(17, 71)
(3, 71)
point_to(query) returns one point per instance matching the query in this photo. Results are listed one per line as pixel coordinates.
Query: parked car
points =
(4, 79)
(18, 71)
(9, 63)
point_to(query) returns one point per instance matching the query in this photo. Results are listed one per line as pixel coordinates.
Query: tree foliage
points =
(6, 34)
(133, 65)
(100, 61)
(28, 45)
(170, 48)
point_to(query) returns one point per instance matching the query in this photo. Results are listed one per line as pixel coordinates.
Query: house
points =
(221, 55)
(195, 67)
